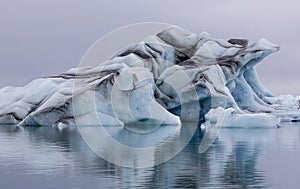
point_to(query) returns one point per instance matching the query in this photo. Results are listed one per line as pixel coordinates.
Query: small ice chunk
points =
(232, 119)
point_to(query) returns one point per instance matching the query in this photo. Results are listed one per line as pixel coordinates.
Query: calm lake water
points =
(240, 158)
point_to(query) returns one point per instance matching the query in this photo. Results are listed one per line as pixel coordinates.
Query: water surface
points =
(44, 157)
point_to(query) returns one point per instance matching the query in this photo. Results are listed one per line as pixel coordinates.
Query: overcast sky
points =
(41, 38)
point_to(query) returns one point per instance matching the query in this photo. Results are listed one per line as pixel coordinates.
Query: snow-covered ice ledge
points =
(163, 73)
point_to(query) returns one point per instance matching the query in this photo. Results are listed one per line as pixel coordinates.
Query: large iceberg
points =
(167, 78)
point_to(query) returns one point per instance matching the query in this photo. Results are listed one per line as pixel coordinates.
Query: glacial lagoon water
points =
(44, 157)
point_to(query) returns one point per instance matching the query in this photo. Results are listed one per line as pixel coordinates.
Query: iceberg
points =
(168, 77)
